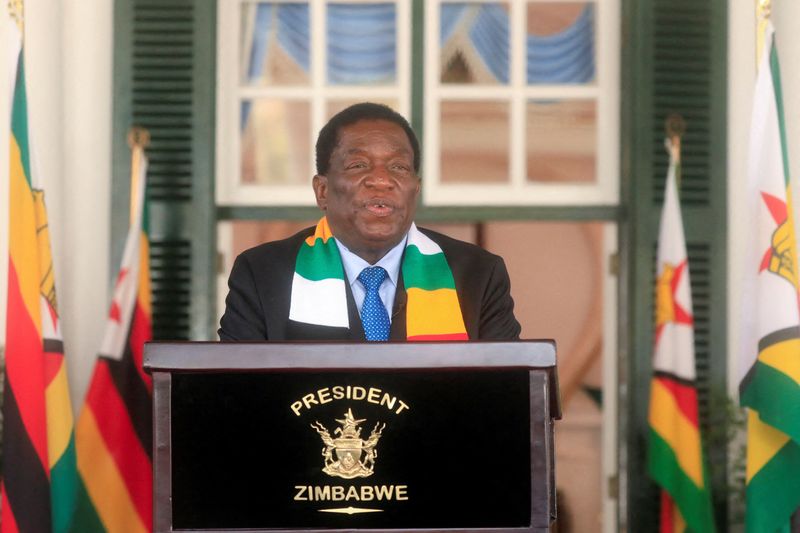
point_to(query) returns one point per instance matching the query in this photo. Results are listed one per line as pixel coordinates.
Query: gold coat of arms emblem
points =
(348, 455)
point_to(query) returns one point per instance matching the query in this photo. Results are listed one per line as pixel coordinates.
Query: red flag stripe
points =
(685, 397)
(667, 510)
(118, 433)
(9, 523)
(141, 332)
(52, 364)
(25, 367)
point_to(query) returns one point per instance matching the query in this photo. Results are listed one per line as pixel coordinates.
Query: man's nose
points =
(379, 177)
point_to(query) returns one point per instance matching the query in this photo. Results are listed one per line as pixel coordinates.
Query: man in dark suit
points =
(366, 272)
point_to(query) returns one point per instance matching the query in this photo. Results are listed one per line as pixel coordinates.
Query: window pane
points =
(562, 141)
(474, 142)
(274, 142)
(361, 44)
(275, 44)
(474, 41)
(560, 43)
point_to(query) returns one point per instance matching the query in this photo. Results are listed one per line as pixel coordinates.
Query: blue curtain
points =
(564, 57)
(362, 43)
(292, 23)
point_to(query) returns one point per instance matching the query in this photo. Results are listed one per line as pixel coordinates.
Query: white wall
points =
(784, 18)
(68, 61)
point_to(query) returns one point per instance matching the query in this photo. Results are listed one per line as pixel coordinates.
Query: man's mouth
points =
(379, 207)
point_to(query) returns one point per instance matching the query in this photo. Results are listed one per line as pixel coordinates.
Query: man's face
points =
(370, 190)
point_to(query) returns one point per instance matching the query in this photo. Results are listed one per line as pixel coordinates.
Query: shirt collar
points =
(353, 264)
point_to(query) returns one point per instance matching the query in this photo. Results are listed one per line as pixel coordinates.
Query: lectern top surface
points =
(199, 356)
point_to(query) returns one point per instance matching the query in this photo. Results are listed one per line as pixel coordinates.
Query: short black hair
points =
(329, 134)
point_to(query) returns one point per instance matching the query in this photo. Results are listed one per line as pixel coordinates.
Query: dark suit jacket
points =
(260, 289)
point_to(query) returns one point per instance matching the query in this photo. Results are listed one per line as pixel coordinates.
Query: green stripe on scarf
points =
(321, 261)
(428, 272)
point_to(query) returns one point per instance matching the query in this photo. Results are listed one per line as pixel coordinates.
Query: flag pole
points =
(138, 140)
(763, 12)
(675, 127)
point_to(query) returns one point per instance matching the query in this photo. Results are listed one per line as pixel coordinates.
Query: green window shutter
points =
(675, 64)
(164, 82)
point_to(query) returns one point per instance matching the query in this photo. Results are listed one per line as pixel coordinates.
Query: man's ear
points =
(320, 185)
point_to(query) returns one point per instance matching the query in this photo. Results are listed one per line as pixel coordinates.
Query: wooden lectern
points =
(421, 436)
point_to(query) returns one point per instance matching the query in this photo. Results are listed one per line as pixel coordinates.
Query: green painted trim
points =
(437, 214)
(418, 69)
(716, 443)
(638, 235)
(202, 223)
(122, 113)
(635, 90)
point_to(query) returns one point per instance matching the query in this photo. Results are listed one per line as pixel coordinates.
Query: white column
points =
(741, 80)
(86, 46)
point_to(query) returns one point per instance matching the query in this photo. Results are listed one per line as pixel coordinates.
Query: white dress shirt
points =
(353, 265)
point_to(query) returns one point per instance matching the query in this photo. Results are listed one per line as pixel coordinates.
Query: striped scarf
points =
(319, 294)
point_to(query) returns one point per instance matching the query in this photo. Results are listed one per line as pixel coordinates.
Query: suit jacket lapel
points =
(398, 330)
(356, 327)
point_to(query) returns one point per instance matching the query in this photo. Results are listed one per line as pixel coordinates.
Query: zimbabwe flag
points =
(114, 431)
(39, 478)
(770, 350)
(675, 458)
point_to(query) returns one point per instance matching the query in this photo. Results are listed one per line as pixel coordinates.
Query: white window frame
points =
(604, 190)
(230, 93)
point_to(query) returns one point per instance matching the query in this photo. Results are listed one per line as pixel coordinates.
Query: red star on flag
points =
(777, 209)
(115, 313)
(667, 307)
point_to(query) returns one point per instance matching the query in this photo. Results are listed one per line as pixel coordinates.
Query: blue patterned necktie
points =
(374, 317)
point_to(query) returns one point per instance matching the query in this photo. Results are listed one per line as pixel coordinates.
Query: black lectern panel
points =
(344, 449)
(344, 437)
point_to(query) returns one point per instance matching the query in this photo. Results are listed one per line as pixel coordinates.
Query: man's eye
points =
(357, 164)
